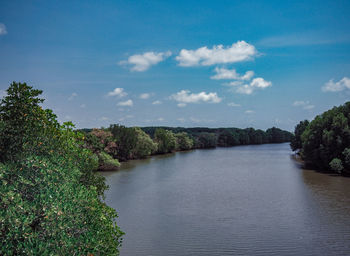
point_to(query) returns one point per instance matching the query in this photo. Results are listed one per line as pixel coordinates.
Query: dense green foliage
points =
(296, 143)
(126, 140)
(144, 145)
(166, 140)
(183, 142)
(50, 196)
(325, 141)
(225, 137)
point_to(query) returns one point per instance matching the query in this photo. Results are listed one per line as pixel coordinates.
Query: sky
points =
(179, 63)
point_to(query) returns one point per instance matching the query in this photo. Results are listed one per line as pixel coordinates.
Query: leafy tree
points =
(206, 140)
(144, 145)
(126, 140)
(26, 127)
(183, 141)
(296, 143)
(166, 141)
(50, 201)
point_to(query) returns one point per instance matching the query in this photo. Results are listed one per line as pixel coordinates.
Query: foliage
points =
(206, 140)
(336, 165)
(45, 210)
(166, 140)
(107, 163)
(325, 142)
(296, 142)
(26, 127)
(183, 141)
(144, 145)
(126, 139)
(49, 193)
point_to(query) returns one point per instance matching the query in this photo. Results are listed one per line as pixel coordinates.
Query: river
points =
(244, 200)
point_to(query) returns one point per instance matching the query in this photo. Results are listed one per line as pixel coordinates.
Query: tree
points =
(183, 141)
(26, 127)
(296, 143)
(50, 197)
(144, 145)
(166, 141)
(126, 139)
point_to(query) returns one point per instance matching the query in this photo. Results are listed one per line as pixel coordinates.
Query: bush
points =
(107, 163)
(336, 165)
(45, 210)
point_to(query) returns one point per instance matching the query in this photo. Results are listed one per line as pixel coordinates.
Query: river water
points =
(244, 200)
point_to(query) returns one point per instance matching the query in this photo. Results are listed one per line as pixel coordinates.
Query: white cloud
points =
(184, 96)
(181, 119)
(249, 112)
(181, 105)
(223, 73)
(341, 85)
(142, 62)
(127, 103)
(304, 104)
(240, 51)
(3, 30)
(157, 102)
(245, 89)
(160, 119)
(232, 104)
(83, 106)
(73, 95)
(145, 96)
(119, 92)
(256, 83)
(260, 83)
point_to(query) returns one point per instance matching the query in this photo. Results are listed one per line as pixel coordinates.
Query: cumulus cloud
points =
(118, 92)
(256, 83)
(160, 119)
(3, 30)
(240, 51)
(142, 62)
(184, 97)
(259, 82)
(303, 104)
(249, 111)
(145, 96)
(127, 103)
(181, 119)
(341, 85)
(83, 105)
(232, 104)
(223, 73)
(156, 102)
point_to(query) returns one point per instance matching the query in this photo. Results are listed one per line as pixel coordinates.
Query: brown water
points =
(246, 200)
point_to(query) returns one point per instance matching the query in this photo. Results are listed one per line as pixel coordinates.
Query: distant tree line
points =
(123, 143)
(324, 143)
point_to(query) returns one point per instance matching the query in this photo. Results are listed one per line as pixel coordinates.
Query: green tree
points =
(166, 141)
(296, 143)
(183, 141)
(144, 145)
(126, 140)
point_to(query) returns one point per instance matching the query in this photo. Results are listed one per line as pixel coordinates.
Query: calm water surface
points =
(246, 200)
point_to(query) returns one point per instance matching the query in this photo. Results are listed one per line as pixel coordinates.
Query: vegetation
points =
(50, 196)
(325, 142)
(166, 140)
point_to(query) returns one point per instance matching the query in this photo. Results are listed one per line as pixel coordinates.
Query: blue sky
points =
(179, 63)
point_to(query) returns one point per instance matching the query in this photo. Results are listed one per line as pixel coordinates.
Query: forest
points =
(324, 143)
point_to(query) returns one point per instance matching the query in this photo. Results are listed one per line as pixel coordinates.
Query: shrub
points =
(107, 163)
